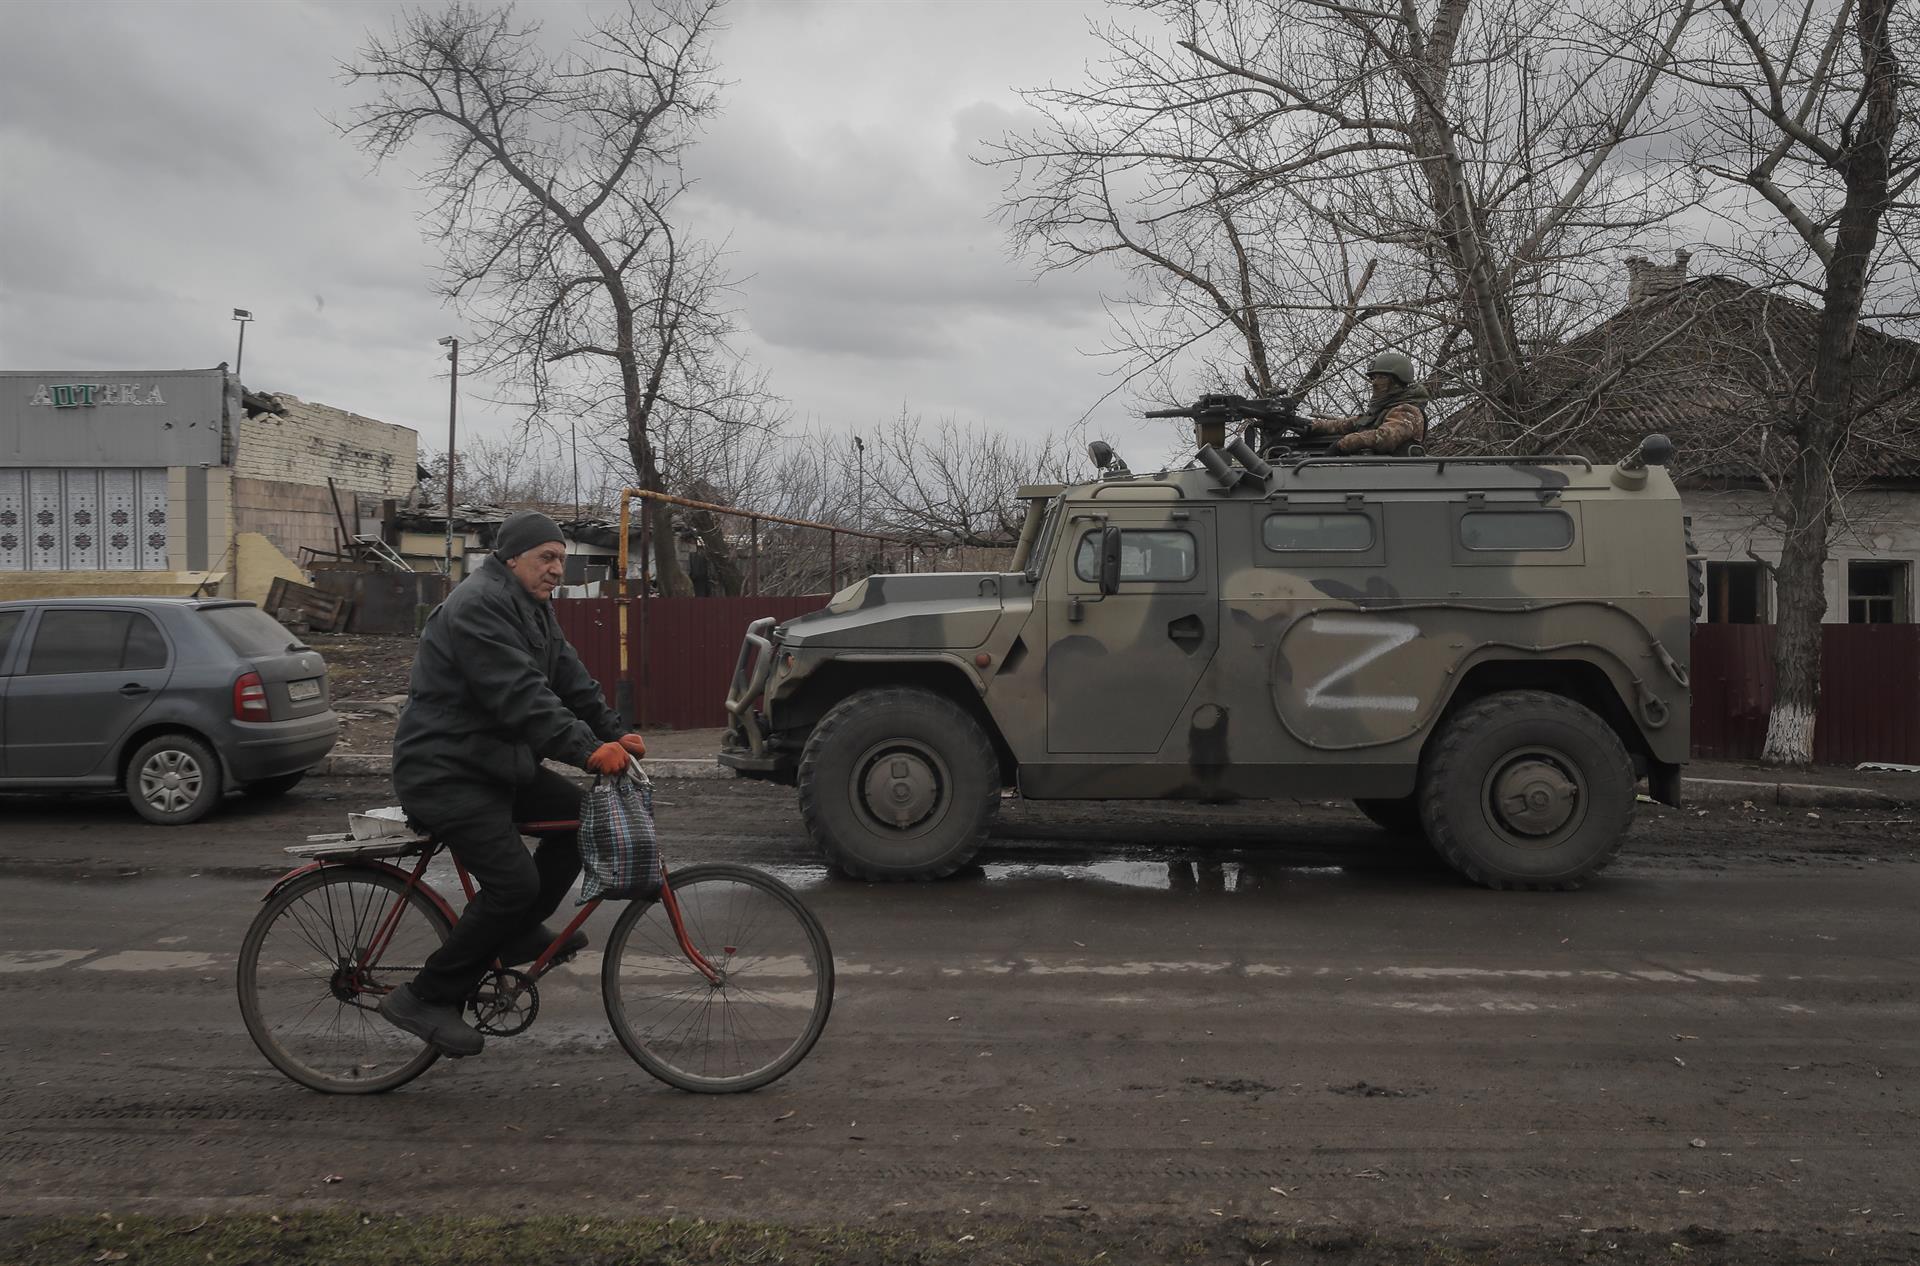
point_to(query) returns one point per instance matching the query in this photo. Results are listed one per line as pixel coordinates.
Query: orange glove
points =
(609, 759)
(634, 743)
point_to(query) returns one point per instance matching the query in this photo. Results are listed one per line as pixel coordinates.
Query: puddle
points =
(1163, 876)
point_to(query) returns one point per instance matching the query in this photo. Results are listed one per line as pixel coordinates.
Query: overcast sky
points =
(167, 162)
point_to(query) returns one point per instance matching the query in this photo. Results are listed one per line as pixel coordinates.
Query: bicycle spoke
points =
(313, 1016)
(757, 1020)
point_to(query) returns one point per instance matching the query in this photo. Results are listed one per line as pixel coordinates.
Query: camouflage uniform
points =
(1387, 428)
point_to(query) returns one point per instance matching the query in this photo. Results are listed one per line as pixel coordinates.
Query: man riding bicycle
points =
(495, 689)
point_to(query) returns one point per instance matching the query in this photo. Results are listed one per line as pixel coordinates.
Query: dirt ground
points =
(364, 666)
(347, 1239)
(1142, 1033)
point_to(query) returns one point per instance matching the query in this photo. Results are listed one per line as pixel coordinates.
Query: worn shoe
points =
(439, 1025)
(529, 945)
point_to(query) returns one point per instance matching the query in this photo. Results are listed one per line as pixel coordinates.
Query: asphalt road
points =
(1178, 1012)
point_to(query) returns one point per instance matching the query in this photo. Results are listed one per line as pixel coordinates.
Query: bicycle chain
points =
(505, 1003)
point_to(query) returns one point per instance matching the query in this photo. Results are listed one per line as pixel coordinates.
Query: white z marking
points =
(1385, 637)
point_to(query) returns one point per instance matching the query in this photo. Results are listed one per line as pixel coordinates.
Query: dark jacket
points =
(495, 689)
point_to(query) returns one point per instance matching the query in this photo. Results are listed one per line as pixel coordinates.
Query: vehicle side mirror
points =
(1109, 560)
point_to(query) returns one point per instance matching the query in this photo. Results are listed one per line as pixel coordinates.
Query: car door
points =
(11, 623)
(1121, 667)
(79, 686)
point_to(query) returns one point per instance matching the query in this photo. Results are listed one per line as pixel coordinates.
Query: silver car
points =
(175, 701)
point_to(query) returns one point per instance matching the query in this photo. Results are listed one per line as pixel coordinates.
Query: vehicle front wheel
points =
(898, 782)
(1526, 789)
(174, 779)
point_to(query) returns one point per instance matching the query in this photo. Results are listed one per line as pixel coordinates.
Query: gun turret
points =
(1267, 421)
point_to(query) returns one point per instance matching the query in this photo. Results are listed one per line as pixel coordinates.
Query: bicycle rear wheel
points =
(311, 1004)
(769, 1006)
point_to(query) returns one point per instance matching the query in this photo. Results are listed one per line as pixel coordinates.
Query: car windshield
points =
(1044, 541)
(250, 631)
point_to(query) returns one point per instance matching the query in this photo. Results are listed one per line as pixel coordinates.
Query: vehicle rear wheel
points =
(898, 783)
(273, 788)
(174, 779)
(1400, 817)
(1526, 789)
(316, 963)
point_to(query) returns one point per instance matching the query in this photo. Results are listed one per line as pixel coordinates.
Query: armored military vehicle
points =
(1487, 652)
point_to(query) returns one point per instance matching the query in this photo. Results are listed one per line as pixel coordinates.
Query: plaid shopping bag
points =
(619, 852)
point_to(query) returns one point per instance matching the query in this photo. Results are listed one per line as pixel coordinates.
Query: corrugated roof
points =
(1711, 363)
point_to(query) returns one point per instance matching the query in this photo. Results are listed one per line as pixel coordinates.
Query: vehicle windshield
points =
(250, 631)
(1044, 541)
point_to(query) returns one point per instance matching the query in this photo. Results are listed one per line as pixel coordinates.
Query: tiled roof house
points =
(1710, 362)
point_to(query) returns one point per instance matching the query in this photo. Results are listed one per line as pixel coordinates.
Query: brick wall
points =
(315, 441)
(290, 515)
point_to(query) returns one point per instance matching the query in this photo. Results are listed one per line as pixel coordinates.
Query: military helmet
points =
(1396, 365)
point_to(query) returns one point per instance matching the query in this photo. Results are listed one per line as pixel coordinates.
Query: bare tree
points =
(1291, 173)
(951, 485)
(556, 180)
(502, 471)
(1803, 108)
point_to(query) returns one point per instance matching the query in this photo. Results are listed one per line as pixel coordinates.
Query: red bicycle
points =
(720, 984)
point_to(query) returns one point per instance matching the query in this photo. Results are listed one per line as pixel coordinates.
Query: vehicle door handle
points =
(1186, 632)
(134, 688)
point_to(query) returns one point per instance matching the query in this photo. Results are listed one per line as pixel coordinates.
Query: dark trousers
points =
(518, 889)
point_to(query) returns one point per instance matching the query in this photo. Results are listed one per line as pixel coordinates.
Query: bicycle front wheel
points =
(308, 993)
(763, 1014)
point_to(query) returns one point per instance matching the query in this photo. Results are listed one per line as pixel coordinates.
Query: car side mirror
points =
(1109, 560)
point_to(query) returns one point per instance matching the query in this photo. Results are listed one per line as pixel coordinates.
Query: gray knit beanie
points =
(524, 530)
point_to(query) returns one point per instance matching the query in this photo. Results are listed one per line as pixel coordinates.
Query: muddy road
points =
(1184, 1014)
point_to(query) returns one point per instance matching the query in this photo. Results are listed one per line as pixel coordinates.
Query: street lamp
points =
(453, 404)
(860, 457)
(241, 316)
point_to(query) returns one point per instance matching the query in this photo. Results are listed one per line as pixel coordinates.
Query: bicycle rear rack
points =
(344, 844)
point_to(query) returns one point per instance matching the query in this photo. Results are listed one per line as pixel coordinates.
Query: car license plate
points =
(300, 691)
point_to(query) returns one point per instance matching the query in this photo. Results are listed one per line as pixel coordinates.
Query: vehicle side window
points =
(145, 647)
(1516, 530)
(1317, 532)
(79, 642)
(9, 622)
(1144, 555)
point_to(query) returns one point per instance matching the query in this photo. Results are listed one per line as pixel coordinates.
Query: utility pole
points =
(453, 409)
(573, 434)
(241, 316)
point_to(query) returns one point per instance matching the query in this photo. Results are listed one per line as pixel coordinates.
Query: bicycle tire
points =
(720, 904)
(342, 1074)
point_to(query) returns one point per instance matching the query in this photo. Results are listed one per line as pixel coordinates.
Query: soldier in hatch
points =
(1396, 417)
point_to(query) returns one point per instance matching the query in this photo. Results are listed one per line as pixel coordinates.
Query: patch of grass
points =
(387, 1239)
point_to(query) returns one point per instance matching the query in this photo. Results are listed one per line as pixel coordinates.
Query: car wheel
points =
(273, 788)
(174, 779)
(898, 783)
(1526, 789)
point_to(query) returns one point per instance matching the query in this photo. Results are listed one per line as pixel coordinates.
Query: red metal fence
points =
(683, 649)
(1869, 692)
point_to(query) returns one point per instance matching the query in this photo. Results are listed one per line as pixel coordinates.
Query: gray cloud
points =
(166, 163)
